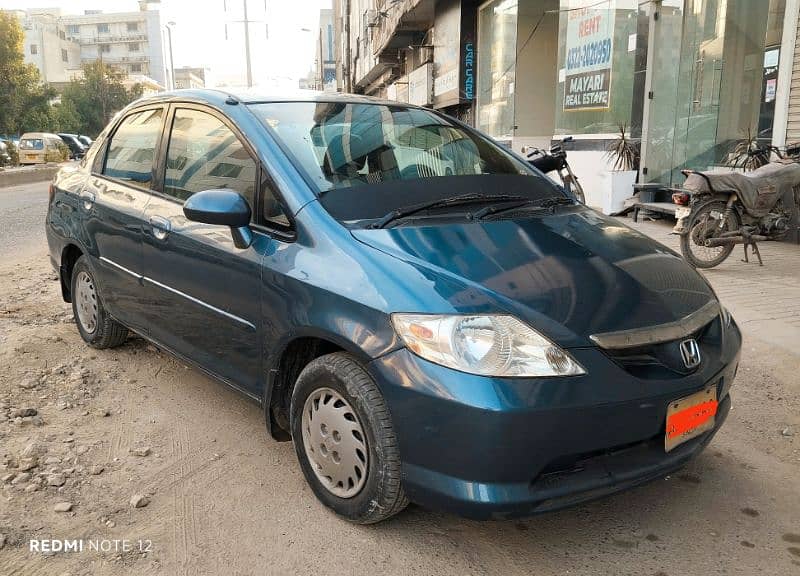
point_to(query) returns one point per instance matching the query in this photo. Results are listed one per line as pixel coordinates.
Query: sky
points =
(198, 39)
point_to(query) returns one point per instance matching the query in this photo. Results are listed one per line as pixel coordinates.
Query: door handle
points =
(88, 199)
(161, 227)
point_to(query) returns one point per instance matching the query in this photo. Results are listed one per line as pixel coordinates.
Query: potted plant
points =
(623, 156)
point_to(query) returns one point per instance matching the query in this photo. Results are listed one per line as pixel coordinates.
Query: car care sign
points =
(589, 48)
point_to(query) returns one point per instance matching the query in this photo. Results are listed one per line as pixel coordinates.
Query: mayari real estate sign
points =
(589, 48)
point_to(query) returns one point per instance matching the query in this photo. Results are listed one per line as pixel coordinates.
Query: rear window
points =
(31, 144)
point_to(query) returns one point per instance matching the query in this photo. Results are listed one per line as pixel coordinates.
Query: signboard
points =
(420, 85)
(588, 55)
(453, 53)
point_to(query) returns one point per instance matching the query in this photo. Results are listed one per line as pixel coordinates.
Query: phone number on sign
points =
(591, 54)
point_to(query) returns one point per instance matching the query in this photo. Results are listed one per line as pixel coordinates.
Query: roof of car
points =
(30, 135)
(254, 95)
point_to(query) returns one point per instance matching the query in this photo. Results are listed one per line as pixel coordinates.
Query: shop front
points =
(688, 79)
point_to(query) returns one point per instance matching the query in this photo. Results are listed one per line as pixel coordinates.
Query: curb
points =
(15, 177)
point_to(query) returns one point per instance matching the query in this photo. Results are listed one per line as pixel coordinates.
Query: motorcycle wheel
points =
(578, 191)
(704, 224)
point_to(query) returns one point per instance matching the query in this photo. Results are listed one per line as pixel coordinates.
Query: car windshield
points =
(31, 144)
(365, 159)
(340, 145)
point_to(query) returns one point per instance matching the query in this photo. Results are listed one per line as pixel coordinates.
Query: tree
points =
(97, 96)
(24, 99)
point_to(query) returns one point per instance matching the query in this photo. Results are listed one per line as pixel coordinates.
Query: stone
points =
(29, 463)
(787, 432)
(105, 412)
(51, 460)
(139, 501)
(141, 451)
(69, 471)
(29, 384)
(23, 412)
(63, 507)
(31, 488)
(96, 470)
(80, 450)
(111, 523)
(32, 449)
(56, 479)
(8, 478)
(24, 477)
(2, 541)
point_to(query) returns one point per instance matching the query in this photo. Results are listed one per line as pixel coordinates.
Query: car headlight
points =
(725, 315)
(487, 345)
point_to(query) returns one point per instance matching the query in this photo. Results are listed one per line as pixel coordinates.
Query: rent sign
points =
(589, 44)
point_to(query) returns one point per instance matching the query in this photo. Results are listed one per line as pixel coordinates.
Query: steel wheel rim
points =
(86, 301)
(334, 443)
(699, 235)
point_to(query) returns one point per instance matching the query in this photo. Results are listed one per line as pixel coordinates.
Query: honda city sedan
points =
(426, 316)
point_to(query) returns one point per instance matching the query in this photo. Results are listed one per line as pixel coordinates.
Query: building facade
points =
(190, 77)
(325, 61)
(47, 46)
(687, 78)
(131, 41)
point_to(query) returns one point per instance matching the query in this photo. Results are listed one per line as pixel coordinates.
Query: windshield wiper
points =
(443, 203)
(547, 203)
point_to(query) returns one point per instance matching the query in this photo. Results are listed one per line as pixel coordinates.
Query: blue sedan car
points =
(425, 315)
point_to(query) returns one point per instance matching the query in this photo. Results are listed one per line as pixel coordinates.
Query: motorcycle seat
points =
(758, 190)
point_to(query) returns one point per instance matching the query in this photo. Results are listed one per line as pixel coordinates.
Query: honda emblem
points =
(690, 352)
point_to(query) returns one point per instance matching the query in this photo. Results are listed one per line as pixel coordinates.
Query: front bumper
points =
(500, 448)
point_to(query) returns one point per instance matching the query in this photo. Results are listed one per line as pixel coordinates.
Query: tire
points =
(340, 393)
(703, 224)
(96, 327)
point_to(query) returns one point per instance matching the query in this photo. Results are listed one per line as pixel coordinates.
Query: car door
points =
(113, 202)
(203, 297)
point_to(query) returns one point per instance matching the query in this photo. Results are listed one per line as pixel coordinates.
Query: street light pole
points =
(247, 45)
(171, 61)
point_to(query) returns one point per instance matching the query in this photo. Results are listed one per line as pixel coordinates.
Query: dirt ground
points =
(105, 427)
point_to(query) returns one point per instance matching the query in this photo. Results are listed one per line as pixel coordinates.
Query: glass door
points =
(712, 98)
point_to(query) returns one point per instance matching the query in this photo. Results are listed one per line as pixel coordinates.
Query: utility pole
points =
(247, 46)
(171, 61)
(246, 22)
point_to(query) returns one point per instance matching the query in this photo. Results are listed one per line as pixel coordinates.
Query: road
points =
(225, 499)
(22, 212)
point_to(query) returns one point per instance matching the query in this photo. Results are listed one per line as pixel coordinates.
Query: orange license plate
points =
(31, 156)
(690, 416)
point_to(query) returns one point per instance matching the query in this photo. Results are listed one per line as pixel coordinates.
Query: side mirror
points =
(224, 208)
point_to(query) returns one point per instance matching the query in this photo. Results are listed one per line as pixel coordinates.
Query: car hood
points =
(570, 274)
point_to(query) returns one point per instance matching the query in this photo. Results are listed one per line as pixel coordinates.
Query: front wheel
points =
(708, 221)
(345, 441)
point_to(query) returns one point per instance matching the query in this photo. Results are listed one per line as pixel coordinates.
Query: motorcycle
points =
(725, 209)
(556, 161)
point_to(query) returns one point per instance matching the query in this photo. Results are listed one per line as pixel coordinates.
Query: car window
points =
(343, 145)
(271, 208)
(131, 151)
(31, 144)
(204, 154)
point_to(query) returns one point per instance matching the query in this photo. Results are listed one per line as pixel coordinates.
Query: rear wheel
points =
(708, 221)
(96, 327)
(345, 441)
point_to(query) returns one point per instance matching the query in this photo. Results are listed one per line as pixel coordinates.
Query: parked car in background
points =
(427, 316)
(76, 148)
(85, 140)
(41, 147)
